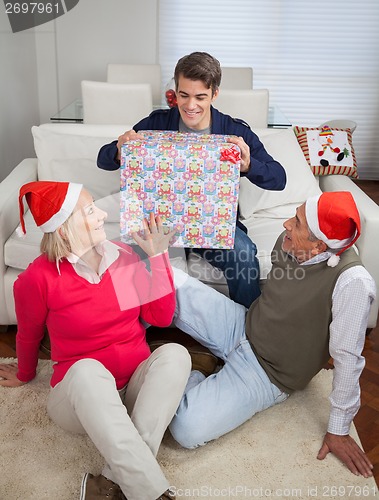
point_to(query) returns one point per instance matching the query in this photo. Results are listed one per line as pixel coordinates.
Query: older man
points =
(314, 305)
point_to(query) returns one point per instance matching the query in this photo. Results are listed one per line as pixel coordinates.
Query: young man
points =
(314, 305)
(197, 80)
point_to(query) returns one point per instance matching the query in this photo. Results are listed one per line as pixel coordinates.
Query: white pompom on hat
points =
(51, 203)
(333, 218)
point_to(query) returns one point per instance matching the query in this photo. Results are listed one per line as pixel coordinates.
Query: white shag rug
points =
(271, 456)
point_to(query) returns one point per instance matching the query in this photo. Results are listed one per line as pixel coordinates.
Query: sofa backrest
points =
(283, 146)
(68, 152)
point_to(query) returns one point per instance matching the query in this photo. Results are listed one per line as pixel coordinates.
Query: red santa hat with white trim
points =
(333, 218)
(51, 203)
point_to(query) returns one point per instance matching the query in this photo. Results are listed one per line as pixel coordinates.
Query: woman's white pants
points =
(126, 426)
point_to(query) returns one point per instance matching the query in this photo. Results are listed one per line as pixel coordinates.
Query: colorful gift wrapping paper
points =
(190, 180)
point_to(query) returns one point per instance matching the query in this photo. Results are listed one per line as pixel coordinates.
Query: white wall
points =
(79, 45)
(127, 32)
(41, 68)
(19, 95)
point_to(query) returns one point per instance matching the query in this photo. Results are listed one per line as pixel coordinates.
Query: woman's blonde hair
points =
(59, 243)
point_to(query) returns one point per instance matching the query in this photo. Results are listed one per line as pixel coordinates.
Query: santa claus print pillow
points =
(328, 150)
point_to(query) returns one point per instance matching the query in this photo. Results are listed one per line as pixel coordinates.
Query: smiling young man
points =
(197, 80)
(314, 305)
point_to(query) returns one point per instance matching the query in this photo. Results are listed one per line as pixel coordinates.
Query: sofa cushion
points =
(301, 183)
(20, 252)
(316, 148)
(264, 232)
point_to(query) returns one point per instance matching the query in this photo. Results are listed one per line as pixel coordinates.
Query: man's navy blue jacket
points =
(264, 171)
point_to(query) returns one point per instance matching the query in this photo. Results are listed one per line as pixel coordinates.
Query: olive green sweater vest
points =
(288, 325)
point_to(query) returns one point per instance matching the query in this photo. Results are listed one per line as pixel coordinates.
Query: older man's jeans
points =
(214, 405)
(240, 266)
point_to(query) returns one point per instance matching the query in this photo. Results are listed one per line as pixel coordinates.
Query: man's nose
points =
(192, 103)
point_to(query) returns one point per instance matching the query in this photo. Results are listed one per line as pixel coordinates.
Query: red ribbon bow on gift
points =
(230, 154)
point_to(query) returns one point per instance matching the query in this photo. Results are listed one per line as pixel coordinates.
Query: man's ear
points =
(215, 94)
(319, 247)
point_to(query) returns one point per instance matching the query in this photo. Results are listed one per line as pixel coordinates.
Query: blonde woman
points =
(94, 297)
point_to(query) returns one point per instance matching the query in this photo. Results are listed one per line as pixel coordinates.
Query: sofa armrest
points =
(26, 171)
(369, 212)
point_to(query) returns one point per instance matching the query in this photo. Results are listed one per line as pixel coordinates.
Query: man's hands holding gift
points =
(155, 238)
(245, 152)
(130, 135)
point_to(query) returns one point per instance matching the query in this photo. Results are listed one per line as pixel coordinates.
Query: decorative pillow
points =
(328, 150)
(301, 183)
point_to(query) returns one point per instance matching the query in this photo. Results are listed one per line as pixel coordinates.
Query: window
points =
(318, 60)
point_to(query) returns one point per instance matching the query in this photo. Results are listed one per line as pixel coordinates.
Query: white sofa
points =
(67, 152)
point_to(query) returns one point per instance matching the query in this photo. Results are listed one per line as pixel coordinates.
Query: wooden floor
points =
(367, 419)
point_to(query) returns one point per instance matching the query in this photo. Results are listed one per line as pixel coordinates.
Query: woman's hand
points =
(155, 239)
(8, 374)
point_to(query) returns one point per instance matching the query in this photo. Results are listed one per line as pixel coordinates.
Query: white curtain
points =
(319, 60)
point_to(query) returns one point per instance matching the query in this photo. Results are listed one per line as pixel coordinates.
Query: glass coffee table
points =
(73, 113)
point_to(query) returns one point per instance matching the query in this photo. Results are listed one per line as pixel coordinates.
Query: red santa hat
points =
(334, 218)
(51, 203)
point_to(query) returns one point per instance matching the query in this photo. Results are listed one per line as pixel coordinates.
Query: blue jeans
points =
(240, 266)
(215, 405)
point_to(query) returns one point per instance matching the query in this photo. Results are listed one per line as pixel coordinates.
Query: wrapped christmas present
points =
(190, 180)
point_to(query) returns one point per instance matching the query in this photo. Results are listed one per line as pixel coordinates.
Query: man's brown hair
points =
(199, 66)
